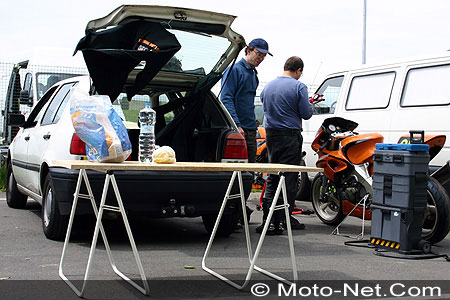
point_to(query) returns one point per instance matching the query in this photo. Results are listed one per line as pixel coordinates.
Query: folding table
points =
(109, 168)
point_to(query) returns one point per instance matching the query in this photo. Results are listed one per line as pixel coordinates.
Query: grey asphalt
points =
(172, 249)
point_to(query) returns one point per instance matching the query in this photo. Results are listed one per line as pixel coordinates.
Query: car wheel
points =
(227, 223)
(14, 198)
(303, 185)
(53, 223)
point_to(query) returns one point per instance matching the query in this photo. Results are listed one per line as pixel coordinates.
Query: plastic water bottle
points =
(147, 118)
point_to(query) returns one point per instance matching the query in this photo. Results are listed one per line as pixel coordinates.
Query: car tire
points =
(227, 223)
(54, 224)
(303, 185)
(14, 198)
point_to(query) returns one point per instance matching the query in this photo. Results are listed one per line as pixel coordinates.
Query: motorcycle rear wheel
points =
(327, 204)
(436, 218)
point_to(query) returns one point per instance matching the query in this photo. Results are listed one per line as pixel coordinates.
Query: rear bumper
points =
(153, 193)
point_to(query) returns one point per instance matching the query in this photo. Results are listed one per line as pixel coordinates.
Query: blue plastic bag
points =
(100, 127)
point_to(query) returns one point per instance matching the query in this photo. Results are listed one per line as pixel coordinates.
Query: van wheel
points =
(325, 201)
(54, 224)
(436, 218)
(14, 198)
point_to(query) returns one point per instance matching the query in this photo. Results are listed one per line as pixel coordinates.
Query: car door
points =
(42, 134)
(20, 164)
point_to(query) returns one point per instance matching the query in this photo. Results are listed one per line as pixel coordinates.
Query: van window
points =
(424, 86)
(329, 90)
(370, 91)
(38, 110)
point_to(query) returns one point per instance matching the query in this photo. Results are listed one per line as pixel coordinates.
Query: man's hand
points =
(241, 131)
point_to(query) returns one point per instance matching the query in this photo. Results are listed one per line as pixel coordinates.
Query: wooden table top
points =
(184, 166)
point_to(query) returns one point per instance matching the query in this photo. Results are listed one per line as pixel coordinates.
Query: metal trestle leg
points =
(99, 227)
(252, 258)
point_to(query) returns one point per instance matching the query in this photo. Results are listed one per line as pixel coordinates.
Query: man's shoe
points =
(270, 231)
(295, 224)
(280, 228)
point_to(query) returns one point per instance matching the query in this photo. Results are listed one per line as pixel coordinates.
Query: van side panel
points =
(372, 97)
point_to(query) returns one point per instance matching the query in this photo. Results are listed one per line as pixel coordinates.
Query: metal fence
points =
(6, 70)
(5, 75)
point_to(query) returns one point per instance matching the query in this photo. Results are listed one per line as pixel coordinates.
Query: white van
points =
(28, 83)
(390, 99)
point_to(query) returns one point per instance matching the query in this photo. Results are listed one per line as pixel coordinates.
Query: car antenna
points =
(315, 76)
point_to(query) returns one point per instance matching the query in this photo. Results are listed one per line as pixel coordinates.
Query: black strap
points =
(228, 75)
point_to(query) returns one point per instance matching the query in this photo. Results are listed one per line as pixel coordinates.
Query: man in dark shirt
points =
(285, 103)
(239, 89)
(239, 84)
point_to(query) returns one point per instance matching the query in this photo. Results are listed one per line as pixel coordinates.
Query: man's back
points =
(285, 103)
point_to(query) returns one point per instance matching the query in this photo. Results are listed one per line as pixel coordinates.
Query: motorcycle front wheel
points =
(436, 218)
(325, 200)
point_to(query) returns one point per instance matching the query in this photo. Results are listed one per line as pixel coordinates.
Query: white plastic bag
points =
(100, 127)
(164, 155)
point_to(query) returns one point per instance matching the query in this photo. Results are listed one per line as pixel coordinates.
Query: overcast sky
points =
(326, 34)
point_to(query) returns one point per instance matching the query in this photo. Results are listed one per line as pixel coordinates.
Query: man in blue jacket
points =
(285, 103)
(239, 84)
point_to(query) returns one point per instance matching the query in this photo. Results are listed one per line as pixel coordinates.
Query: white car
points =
(190, 119)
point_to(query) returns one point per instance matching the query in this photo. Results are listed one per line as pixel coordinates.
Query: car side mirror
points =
(25, 98)
(16, 119)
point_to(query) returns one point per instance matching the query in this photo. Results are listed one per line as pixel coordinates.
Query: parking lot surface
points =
(171, 251)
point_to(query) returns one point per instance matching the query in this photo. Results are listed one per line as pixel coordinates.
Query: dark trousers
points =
(250, 139)
(283, 146)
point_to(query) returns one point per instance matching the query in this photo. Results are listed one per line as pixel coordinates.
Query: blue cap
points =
(260, 45)
(148, 105)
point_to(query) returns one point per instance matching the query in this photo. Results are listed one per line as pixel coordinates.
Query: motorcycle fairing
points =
(359, 211)
(332, 165)
(436, 142)
(359, 149)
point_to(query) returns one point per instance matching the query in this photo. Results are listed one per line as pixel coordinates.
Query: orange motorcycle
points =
(347, 160)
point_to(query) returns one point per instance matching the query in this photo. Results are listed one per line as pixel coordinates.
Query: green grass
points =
(131, 115)
(3, 177)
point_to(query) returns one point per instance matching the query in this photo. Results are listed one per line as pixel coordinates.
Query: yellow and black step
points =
(386, 244)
